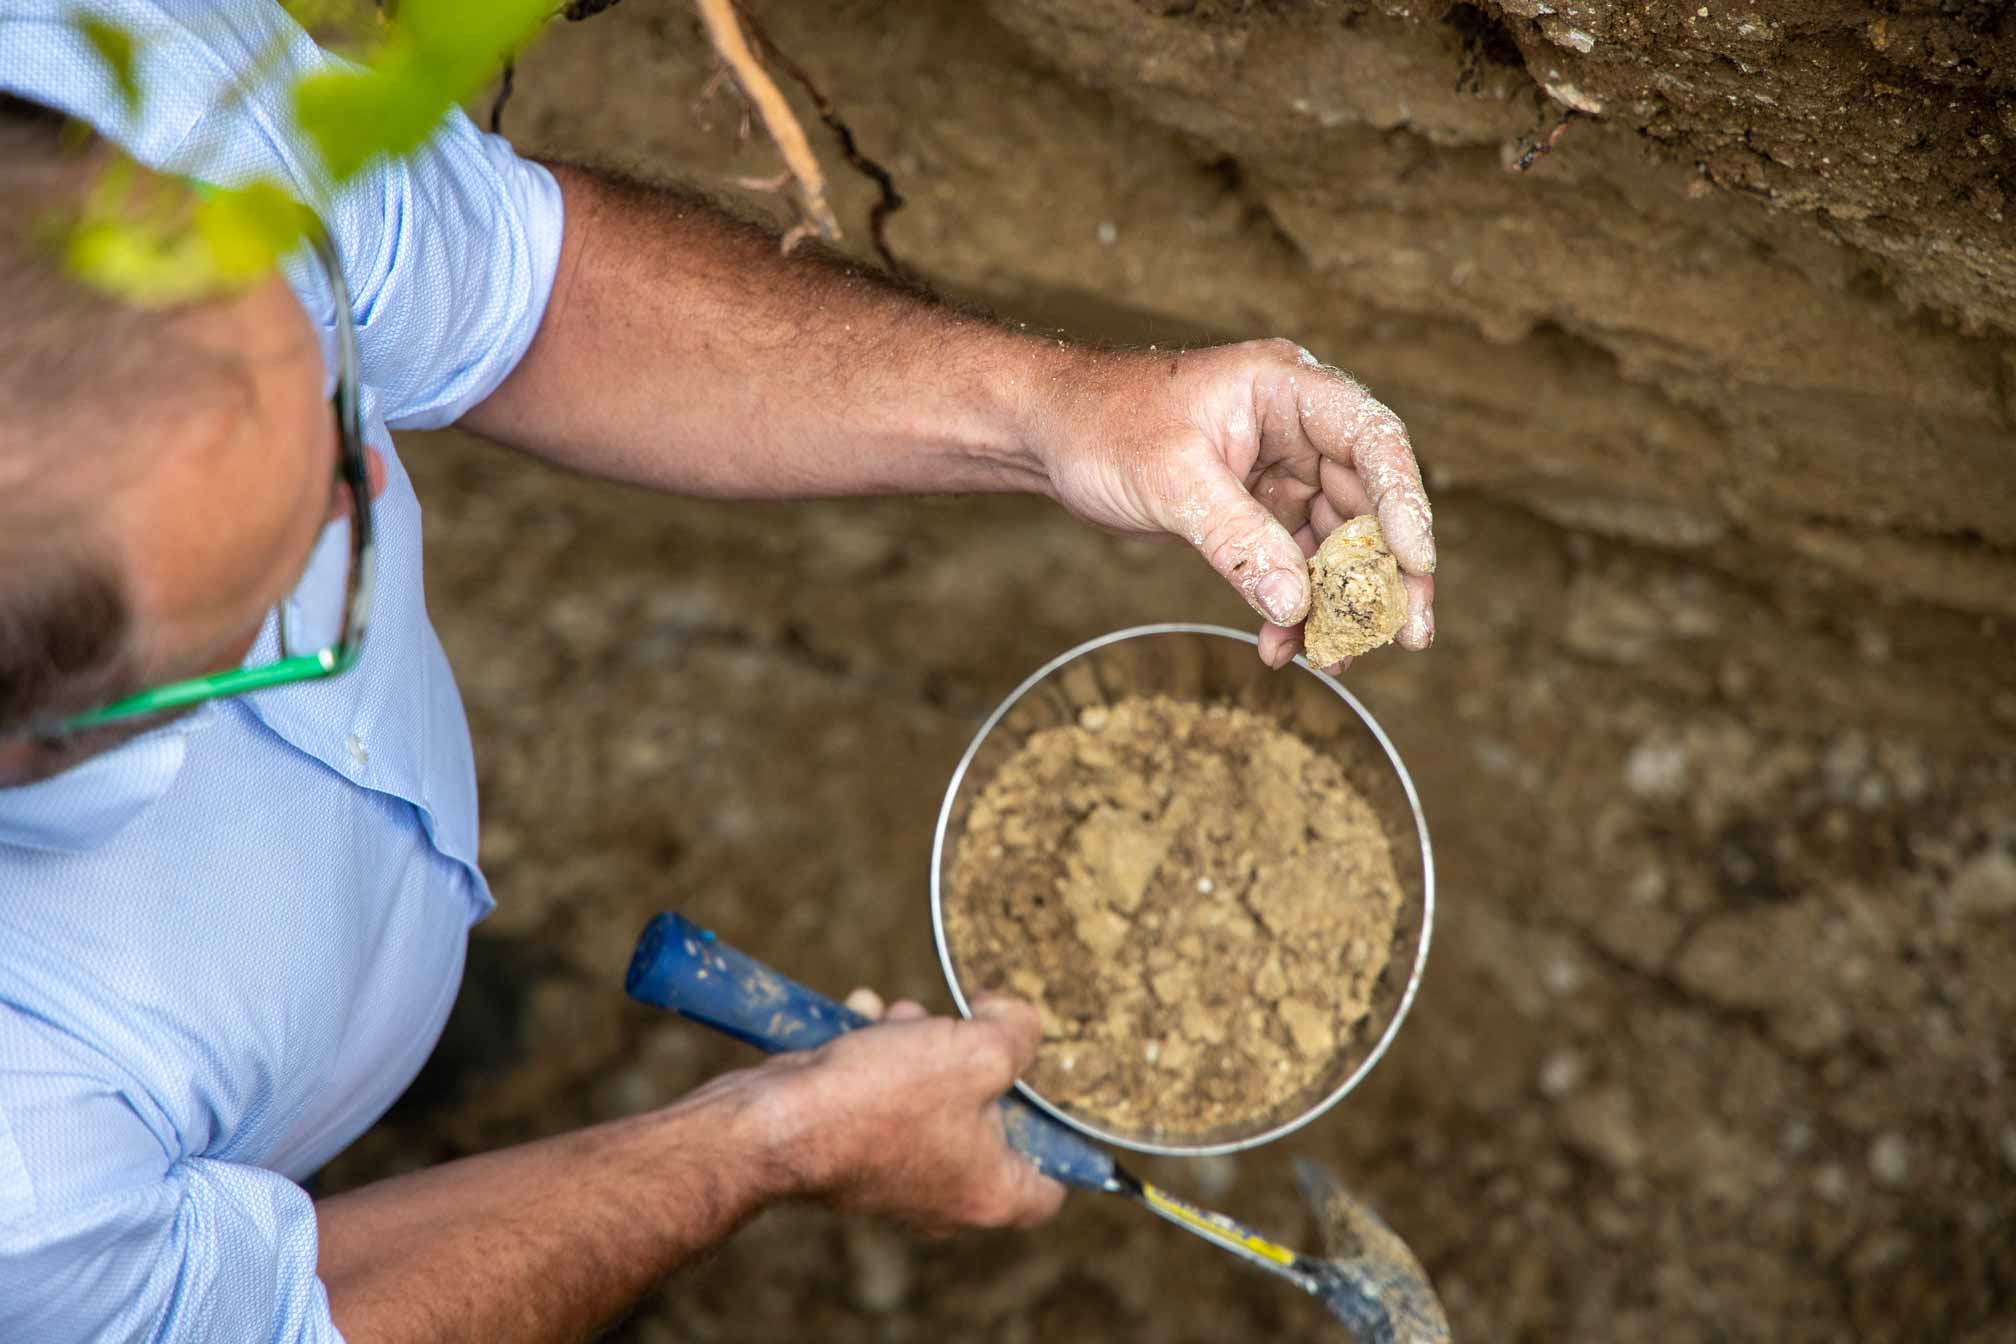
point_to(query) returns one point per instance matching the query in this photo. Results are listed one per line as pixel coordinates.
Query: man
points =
(230, 935)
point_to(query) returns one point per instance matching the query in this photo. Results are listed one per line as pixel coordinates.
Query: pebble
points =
(1986, 886)
(1656, 769)
(1601, 1124)
(1648, 885)
(1560, 1073)
(881, 1263)
(1562, 975)
(1796, 1137)
(1831, 1183)
(2009, 1145)
(1890, 1159)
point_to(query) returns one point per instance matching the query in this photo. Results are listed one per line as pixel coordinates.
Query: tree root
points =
(731, 29)
(1541, 146)
(889, 200)
(724, 31)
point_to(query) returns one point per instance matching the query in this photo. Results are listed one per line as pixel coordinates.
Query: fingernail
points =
(1280, 595)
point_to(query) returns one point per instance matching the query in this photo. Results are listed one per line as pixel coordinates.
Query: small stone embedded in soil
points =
(1198, 903)
(1357, 601)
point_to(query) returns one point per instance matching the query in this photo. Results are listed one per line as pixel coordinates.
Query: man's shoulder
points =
(198, 65)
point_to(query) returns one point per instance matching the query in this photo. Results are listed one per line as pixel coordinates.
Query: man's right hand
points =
(900, 1119)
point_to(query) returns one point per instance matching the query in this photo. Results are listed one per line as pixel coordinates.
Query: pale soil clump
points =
(1197, 902)
(1357, 601)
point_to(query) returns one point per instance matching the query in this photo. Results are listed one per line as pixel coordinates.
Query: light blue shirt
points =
(228, 945)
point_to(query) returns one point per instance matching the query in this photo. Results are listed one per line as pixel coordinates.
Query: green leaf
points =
(434, 55)
(313, 14)
(247, 230)
(115, 47)
(145, 239)
(139, 263)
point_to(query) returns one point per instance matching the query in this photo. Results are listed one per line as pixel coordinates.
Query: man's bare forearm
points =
(549, 1240)
(679, 350)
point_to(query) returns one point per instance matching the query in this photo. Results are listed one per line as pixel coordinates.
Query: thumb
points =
(1244, 542)
(1018, 1026)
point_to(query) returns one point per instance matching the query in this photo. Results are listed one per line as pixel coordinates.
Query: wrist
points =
(1067, 395)
(756, 1127)
(1050, 390)
(805, 1142)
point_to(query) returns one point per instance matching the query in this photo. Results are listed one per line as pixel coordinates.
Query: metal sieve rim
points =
(939, 842)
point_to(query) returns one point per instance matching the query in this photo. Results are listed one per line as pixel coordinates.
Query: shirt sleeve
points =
(449, 253)
(105, 1237)
(464, 239)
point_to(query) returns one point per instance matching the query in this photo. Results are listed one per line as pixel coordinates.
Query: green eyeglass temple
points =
(343, 654)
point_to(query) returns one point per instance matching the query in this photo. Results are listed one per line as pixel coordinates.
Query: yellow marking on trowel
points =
(1224, 1229)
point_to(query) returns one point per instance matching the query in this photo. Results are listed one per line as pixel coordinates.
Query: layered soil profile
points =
(1716, 401)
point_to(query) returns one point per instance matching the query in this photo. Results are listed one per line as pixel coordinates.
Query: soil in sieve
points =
(1197, 902)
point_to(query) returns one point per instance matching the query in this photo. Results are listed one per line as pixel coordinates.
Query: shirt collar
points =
(92, 801)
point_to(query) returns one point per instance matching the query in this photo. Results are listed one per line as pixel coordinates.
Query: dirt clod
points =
(1197, 902)
(1357, 601)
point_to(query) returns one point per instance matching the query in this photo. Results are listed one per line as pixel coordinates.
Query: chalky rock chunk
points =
(1357, 601)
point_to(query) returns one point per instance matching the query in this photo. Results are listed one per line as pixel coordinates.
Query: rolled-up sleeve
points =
(105, 1237)
(468, 240)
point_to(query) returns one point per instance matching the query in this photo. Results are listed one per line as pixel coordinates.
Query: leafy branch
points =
(153, 240)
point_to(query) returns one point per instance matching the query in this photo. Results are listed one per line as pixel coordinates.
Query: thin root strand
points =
(724, 30)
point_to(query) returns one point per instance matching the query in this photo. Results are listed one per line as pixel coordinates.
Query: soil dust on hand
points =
(1197, 902)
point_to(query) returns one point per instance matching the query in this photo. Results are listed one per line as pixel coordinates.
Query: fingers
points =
(1326, 515)
(866, 1002)
(910, 1110)
(1015, 1026)
(1241, 539)
(1419, 630)
(1029, 1197)
(1343, 497)
(1347, 424)
(1020, 1194)
(1279, 645)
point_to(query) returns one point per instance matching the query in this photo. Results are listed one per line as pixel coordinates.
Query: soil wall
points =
(1718, 740)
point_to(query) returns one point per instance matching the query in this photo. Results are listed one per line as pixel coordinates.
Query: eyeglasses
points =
(352, 471)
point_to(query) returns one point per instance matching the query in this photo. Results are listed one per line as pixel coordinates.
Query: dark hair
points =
(65, 621)
(62, 640)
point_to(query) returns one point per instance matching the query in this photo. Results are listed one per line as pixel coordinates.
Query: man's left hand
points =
(1252, 453)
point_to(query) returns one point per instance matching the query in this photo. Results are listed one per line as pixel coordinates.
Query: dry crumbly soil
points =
(1197, 902)
(1717, 739)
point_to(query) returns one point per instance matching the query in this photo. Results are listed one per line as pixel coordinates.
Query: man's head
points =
(164, 472)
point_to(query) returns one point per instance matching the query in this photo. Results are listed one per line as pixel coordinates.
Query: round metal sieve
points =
(1213, 664)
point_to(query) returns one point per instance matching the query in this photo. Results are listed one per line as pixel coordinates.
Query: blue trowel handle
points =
(683, 967)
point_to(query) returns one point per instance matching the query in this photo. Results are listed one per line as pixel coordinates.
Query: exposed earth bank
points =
(1718, 739)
